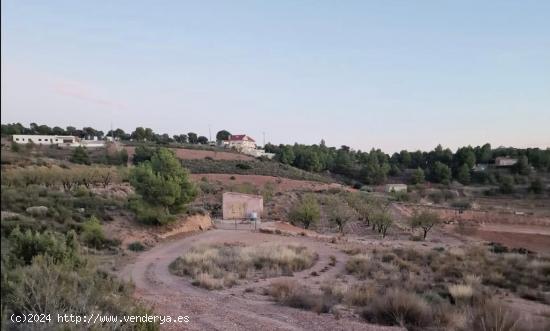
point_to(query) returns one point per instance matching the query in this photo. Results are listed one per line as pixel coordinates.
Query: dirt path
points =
(232, 309)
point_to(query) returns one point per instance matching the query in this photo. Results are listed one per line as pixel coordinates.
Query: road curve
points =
(231, 309)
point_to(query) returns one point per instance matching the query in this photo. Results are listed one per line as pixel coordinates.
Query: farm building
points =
(505, 161)
(43, 139)
(71, 141)
(396, 188)
(241, 206)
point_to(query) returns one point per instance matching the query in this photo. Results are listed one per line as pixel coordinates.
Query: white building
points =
(505, 161)
(70, 141)
(395, 188)
(44, 139)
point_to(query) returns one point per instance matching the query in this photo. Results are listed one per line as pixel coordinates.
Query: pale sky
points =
(387, 74)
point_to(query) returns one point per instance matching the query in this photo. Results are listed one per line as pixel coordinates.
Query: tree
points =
(286, 155)
(522, 166)
(463, 175)
(142, 153)
(138, 134)
(182, 138)
(193, 138)
(342, 163)
(441, 173)
(417, 176)
(305, 212)
(536, 186)
(222, 135)
(506, 184)
(202, 140)
(338, 213)
(80, 156)
(163, 186)
(381, 221)
(425, 220)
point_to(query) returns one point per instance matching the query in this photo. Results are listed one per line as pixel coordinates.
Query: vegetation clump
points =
(217, 266)
(163, 188)
(306, 212)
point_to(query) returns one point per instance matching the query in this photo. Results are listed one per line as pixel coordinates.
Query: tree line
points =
(440, 165)
(139, 134)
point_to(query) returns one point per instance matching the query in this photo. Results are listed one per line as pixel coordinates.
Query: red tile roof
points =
(240, 137)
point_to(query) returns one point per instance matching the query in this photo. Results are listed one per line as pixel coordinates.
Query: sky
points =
(367, 74)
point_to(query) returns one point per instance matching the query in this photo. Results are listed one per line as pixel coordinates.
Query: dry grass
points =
(442, 280)
(217, 266)
(401, 308)
(291, 293)
(461, 293)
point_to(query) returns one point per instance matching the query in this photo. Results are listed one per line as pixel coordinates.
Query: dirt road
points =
(235, 308)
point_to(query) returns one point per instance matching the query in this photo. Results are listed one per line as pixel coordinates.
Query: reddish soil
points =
(281, 184)
(193, 154)
(533, 242)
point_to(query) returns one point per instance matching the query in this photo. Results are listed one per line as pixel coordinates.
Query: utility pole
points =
(264, 138)
(209, 133)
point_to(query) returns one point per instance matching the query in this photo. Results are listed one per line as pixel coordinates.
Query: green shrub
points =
(80, 156)
(92, 233)
(25, 246)
(136, 246)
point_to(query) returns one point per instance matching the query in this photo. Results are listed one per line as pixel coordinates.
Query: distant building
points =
(69, 141)
(504, 161)
(480, 167)
(242, 206)
(44, 139)
(241, 142)
(395, 188)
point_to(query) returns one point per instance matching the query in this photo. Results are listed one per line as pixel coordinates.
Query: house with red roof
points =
(241, 142)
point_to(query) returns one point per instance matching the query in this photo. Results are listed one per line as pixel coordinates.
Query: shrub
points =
(290, 293)
(136, 246)
(80, 156)
(492, 315)
(398, 307)
(461, 293)
(92, 233)
(25, 246)
(243, 166)
(227, 263)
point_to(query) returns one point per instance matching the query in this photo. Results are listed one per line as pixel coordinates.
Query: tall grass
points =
(217, 266)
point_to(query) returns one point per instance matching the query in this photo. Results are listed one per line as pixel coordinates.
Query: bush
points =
(290, 293)
(80, 156)
(224, 264)
(25, 246)
(243, 166)
(398, 307)
(136, 246)
(92, 233)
